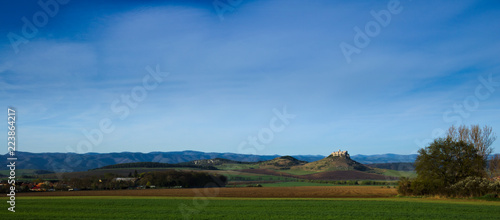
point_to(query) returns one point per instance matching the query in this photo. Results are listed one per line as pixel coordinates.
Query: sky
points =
(260, 77)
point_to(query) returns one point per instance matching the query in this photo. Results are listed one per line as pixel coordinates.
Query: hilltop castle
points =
(341, 154)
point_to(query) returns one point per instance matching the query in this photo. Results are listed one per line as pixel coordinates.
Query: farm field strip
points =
(127, 207)
(256, 192)
(398, 199)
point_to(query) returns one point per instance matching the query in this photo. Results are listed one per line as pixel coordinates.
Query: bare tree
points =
(481, 138)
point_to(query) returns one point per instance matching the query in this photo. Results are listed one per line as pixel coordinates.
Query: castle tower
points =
(341, 154)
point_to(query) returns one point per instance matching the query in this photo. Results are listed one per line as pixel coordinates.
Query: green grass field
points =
(237, 166)
(410, 174)
(231, 208)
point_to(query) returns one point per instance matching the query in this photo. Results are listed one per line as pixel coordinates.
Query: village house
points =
(124, 179)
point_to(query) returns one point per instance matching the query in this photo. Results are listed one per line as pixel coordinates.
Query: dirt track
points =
(243, 192)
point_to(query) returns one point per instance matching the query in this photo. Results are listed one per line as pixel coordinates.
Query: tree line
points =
(159, 179)
(110, 181)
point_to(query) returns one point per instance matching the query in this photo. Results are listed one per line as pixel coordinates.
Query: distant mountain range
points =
(385, 158)
(69, 162)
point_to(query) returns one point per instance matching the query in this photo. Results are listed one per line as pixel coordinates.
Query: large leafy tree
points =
(444, 163)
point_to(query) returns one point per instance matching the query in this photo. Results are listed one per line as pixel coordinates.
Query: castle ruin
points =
(341, 154)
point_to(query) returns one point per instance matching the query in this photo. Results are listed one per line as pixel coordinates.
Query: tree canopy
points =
(446, 162)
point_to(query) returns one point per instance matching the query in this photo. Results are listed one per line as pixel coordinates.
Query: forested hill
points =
(155, 165)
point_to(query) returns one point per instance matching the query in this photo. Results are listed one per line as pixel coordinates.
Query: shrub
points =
(404, 186)
(474, 187)
(254, 185)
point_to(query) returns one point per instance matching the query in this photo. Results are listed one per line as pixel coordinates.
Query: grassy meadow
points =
(247, 208)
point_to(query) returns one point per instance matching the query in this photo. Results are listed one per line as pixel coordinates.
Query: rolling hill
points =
(334, 163)
(70, 162)
(332, 167)
(394, 166)
(281, 163)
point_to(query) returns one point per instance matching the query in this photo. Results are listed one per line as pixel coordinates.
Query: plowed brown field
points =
(243, 192)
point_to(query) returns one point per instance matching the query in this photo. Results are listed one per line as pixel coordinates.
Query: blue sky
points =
(233, 70)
